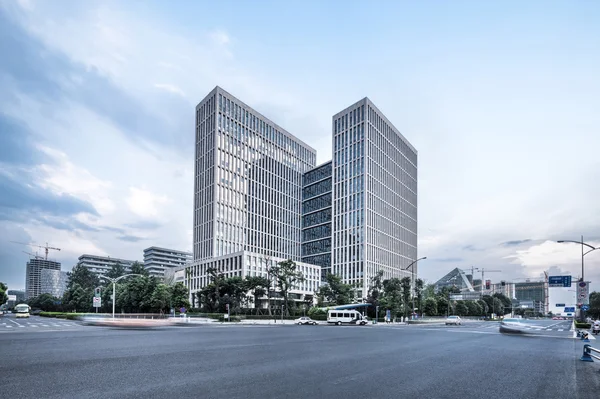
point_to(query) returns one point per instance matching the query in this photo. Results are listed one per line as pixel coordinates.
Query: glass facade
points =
(316, 217)
(375, 196)
(53, 282)
(33, 275)
(248, 182)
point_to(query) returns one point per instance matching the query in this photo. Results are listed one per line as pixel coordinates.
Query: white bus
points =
(346, 316)
(22, 310)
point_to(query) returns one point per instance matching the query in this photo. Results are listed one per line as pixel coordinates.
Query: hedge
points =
(582, 325)
(62, 315)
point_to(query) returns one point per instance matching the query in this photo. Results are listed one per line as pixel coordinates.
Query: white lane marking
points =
(44, 325)
(9, 326)
(14, 322)
(34, 325)
(560, 329)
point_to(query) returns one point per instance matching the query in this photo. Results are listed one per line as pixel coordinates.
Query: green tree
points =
(138, 268)
(258, 285)
(82, 276)
(405, 284)
(461, 308)
(375, 292)
(45, 302)
(80, 289)
(442, 306)
(594, 311)
(474, 308)
(161, 298)
(429, 291)
(116, 270)
(179, 295)
(3, 295)
(430, 307)
(334, 291)
(419, 289)
(286, 276)
(392, 296)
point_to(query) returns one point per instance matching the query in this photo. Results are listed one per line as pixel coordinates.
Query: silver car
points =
(455, 320)
(305, 320)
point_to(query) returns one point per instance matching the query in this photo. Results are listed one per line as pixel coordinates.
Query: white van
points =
(346, 316)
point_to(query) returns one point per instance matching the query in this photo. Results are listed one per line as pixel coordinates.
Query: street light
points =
(412, 274)
(114, 282)
(583, 254)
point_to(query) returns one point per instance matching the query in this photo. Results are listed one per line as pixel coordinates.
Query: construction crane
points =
(36, 256)
(46, 248)
(483, 276)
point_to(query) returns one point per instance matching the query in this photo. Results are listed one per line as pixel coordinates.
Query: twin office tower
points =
(259, 197)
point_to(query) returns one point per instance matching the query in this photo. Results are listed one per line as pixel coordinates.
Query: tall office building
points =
(157, 260)
(374, 197)
(33, 272)
(316, 217)
(247, 191)
(258, 196)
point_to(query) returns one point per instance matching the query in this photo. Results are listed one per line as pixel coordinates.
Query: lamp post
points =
(583, 254)
(114, 282)
(412, 273)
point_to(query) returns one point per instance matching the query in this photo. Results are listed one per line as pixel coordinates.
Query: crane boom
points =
(45, 248)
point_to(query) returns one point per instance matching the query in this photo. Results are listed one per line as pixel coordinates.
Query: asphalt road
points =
(293, 362)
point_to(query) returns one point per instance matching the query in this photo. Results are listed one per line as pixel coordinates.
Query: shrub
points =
(582, 325)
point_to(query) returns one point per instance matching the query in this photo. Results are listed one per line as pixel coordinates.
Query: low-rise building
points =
(157, 260)
(247, 264)
(102, 264)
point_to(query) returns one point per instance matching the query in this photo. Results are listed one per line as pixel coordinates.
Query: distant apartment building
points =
(102, 264)
(53, 282)
(33, 275)
(157, 260)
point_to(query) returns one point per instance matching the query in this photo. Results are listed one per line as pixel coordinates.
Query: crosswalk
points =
(532, 328)
(24, 325)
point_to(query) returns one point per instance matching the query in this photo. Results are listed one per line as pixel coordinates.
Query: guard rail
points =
(588, 356)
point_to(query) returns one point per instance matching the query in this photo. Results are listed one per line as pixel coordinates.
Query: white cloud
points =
(144, 203)
(500, 158)
(63, 177)
(170, 88)
(220, 37)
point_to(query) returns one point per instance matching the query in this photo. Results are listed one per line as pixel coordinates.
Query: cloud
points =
(145, 225)
(130, 238)
(18, 197)
(144, 203)
(450, 260)
(220, 37)
(170, 88)
(515, 242)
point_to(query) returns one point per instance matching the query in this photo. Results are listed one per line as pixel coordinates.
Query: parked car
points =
(305, 320)
(456, 320)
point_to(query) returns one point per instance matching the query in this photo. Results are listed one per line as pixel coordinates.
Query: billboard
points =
(559, 281)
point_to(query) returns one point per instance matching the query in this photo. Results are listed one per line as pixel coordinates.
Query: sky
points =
(500, 99)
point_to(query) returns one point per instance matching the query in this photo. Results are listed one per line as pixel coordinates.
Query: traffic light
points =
(488, 283)
(503, 283)
(97, 291)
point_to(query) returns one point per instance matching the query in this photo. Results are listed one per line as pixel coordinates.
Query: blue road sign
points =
(585, 307)
(559, 281)
(570, 310)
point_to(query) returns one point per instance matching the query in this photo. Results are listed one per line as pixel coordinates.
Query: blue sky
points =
(499, 98)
